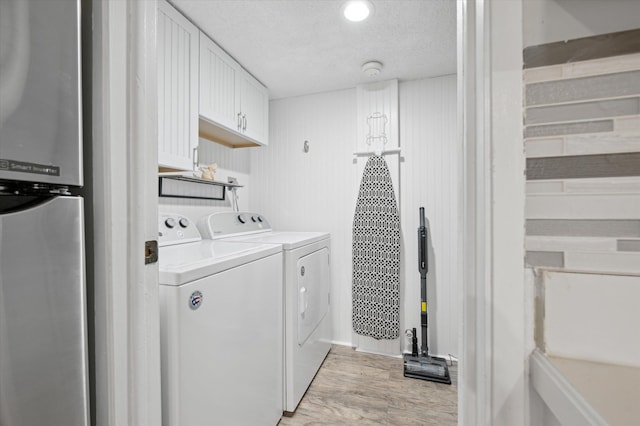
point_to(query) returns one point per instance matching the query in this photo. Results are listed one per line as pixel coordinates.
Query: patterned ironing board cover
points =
(376, 255)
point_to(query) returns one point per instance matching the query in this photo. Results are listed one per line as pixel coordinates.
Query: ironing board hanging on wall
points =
(376, 255)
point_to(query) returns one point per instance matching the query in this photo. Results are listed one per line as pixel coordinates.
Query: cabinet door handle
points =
(244, 122)
(239, 121)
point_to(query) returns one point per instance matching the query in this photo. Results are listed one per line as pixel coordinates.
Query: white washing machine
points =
(307, 284)
(221, 328)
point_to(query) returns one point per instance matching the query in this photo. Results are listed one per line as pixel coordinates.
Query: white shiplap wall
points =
(377, 130)
(231, 162)
(312, 191)
(316, 191)
(430, 170)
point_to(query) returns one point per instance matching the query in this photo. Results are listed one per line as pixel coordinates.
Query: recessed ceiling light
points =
(357, 10)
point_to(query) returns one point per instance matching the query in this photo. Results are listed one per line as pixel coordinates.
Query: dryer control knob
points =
(170, 223)
(254, 218)
(184, 222)
(259, 218)
(242, 218)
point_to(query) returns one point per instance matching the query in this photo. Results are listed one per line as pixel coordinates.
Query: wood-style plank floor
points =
(364, 389)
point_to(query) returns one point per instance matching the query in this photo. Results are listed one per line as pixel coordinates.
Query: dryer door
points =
(313, 292)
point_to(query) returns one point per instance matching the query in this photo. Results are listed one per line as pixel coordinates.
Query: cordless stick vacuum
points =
(422, 365)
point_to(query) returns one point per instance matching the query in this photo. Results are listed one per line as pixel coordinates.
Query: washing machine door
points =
(313, 292)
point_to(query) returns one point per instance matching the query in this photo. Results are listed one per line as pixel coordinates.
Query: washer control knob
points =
(254, 218)
(242, 218)
(170, 223)
(259, 218)
(184, 222)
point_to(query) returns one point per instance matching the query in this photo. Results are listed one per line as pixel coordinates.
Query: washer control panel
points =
(176, 229)
(226, 224)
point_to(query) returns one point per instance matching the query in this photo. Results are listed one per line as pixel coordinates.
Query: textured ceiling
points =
(298, 47)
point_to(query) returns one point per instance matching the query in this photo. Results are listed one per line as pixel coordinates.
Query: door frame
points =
(125, 153)
(124, 174)
(493, 381)
(474, 368)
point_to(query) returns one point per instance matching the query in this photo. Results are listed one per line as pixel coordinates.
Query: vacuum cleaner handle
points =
(423, 266)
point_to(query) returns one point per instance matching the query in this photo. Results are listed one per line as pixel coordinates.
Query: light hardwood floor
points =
(364, 389)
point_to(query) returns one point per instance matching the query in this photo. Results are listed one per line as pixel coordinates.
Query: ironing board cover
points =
(376, 255)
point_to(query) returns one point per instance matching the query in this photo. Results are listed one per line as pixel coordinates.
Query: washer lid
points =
(180, 264)
(289, 240)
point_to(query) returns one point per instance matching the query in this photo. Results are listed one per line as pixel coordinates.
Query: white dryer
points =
(307, 284)
(221, 328)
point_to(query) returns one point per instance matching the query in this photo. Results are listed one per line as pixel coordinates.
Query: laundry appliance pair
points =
(245, 321)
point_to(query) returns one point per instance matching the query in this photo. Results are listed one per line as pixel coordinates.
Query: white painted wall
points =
(546, 21)
(315, 191)
(592, 317)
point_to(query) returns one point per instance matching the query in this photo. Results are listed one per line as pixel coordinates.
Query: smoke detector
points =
(372, 69)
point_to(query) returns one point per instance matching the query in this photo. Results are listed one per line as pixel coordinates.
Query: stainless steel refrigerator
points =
(43, 332)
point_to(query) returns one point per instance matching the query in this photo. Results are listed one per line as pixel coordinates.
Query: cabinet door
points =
(178, 41)
(219, 102)
(254, 104)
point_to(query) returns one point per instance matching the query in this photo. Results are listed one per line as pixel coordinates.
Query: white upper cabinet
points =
(218, 81)
(234, 106)
(254, 108)
(178, 41)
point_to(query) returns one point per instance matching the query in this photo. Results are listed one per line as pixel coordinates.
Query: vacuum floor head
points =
(430, 368)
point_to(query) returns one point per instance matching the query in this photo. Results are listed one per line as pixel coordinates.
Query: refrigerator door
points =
(40, 108)
(43, 344)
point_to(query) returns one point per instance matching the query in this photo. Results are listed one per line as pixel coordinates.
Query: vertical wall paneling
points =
(231, 162)
(430, 169)
(316, 191)
(378, 100)
(312, 191)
